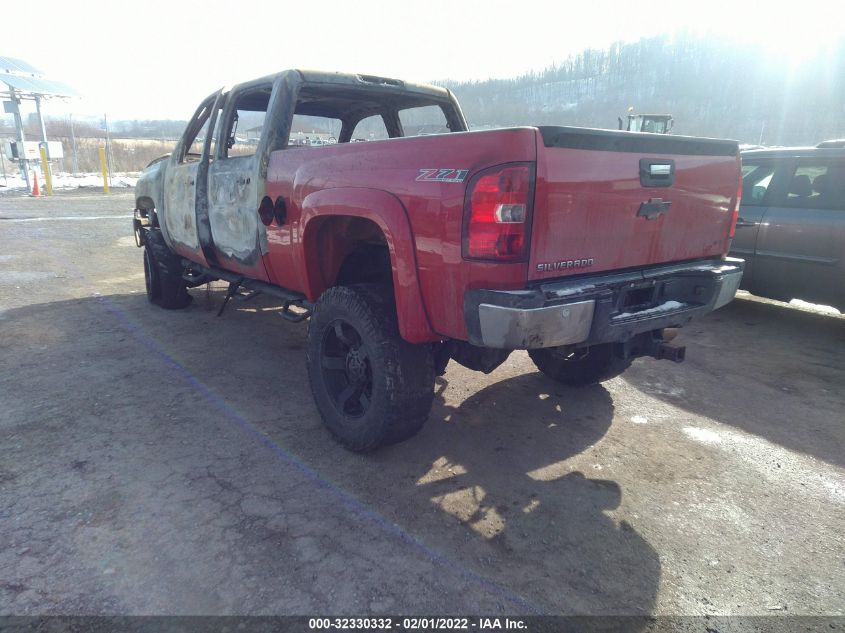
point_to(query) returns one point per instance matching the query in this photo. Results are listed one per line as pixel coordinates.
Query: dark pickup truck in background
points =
(581, 246)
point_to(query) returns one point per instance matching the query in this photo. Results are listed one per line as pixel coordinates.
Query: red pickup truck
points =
(582, 246)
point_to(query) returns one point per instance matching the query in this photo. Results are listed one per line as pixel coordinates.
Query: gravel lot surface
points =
(158, 462)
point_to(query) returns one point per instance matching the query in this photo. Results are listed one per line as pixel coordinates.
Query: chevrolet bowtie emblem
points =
(654, 208)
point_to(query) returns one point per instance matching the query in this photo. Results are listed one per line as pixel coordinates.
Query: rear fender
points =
(388, 214)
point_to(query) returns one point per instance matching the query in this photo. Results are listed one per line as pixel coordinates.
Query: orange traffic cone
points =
(36, 191)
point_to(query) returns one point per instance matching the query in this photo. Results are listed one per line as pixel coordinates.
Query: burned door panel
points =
(183, 181)
(240, 239)
(179, 219)
(235, 185)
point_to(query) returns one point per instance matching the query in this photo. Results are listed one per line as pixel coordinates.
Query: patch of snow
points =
(773, 462)
(71, 181)
(639, 419)
(813, 307)
(13, 276)
(702, 435)
(668, 306)
(572, 290)
(794, 303)
(664, 389)
(70, 217)
(835, 488)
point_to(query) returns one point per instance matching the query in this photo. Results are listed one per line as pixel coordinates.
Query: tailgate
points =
(608, 200)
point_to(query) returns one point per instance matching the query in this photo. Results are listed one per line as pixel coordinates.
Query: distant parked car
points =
(791, 226)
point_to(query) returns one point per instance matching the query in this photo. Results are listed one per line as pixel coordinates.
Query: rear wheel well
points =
(348, 250)
(366, 263)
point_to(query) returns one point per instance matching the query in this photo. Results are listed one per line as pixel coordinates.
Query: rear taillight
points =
(735, 214)
(497, 213)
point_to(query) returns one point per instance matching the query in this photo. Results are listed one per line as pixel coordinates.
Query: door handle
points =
(741, 222)
(191, 182)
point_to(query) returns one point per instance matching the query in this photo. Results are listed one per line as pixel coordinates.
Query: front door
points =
(179, 220)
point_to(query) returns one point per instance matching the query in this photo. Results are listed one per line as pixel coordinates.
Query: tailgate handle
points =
(657, 172)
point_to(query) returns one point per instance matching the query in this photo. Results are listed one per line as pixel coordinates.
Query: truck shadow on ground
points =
(489, 482)
(499, 467)
(750, 354)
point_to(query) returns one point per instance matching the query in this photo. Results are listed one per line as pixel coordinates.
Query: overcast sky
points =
(154, 59)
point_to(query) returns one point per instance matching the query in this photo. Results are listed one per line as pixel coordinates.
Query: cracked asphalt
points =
(158, 462)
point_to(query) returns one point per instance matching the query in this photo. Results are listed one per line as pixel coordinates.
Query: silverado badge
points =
(546, 267)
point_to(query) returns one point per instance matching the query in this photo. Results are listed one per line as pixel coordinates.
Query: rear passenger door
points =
(801, 243)
(757, 176)
(235, 186)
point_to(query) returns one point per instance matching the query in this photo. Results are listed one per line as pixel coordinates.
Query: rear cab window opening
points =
(373, 128)
(423, 120)
(245, 124)
(313, 131)
(327, 115)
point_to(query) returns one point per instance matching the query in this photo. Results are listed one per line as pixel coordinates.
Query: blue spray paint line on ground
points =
(288, 458)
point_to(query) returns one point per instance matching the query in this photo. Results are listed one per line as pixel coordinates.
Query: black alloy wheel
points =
(346, 369)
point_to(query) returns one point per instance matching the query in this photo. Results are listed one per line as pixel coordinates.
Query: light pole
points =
(16, 112)
(73, 144)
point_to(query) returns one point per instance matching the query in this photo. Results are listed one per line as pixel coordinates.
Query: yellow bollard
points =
(45, 168)
(104, 167)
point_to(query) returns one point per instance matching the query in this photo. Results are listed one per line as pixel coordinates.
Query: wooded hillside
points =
(712, 87)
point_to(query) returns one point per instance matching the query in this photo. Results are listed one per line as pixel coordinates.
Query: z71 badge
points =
(442, 175)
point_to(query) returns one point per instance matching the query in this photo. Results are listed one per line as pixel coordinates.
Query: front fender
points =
(388, 213)
(148, 187)
(149, 193)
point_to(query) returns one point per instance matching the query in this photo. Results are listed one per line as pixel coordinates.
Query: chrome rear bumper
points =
(600, 308)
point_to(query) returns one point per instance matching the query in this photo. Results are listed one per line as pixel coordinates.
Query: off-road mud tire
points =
(163, 274)
(397, 387)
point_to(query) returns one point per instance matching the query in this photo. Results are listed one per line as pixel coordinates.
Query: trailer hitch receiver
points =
(668, 351)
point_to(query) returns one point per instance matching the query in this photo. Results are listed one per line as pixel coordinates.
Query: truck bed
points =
(585, 218)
